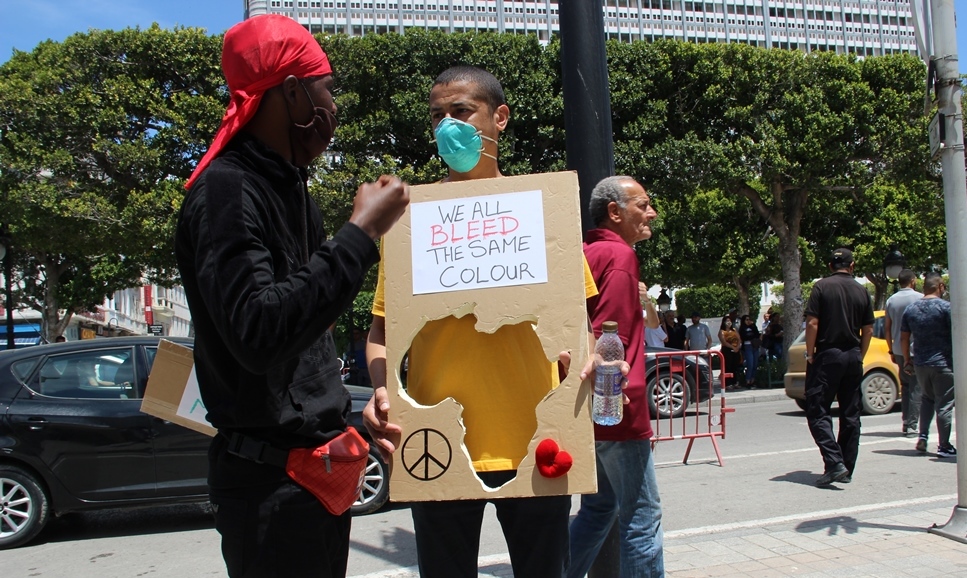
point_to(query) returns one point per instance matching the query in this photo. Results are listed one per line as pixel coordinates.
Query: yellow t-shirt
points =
(493, 375)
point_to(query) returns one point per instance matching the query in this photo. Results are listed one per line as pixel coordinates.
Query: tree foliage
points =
(801, 137)
(760, 161)
(99, 134)
(714, 300)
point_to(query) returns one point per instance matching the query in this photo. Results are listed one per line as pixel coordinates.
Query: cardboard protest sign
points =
(504, 251)
(172, 393)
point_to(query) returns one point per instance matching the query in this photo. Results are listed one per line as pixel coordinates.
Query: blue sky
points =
(25, 23)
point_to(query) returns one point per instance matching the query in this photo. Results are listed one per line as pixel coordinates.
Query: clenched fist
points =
(379, 205)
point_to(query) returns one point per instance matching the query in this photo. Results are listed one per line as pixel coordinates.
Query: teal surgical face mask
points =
(460, 144)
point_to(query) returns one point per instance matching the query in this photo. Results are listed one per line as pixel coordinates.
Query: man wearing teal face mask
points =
(449, 358)
(467, 118)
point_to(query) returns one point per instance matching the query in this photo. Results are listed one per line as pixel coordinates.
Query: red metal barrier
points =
(685, 385)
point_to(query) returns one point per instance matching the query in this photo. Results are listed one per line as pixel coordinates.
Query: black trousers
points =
(536, 531)
(274, 528)
(833, 374)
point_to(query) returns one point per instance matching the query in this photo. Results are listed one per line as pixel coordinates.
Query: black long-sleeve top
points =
(263, 285)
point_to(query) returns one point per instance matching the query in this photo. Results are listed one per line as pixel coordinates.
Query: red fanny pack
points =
(332, 472)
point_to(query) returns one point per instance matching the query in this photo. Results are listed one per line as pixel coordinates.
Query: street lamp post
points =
(7, 283)
(664, 301)
(893, 263)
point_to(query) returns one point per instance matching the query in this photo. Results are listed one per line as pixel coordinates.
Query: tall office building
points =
(862, 27)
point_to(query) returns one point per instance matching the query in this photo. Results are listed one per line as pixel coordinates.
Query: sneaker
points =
(837, 474)
(947, 451)
(922, 445)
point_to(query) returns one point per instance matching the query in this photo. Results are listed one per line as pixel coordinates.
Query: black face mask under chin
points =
(314, 137)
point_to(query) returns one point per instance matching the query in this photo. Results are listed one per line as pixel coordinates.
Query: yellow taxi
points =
(881, 380)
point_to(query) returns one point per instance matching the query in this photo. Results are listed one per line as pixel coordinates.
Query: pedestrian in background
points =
(772, 340)
(655, 335)
(927, 323)
(750, 337)
(627, 485)
(839, 326)
(909, 386)
(676, 338)
(697, 336)
(731, 351)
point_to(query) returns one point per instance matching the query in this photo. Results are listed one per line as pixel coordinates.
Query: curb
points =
(743, 397)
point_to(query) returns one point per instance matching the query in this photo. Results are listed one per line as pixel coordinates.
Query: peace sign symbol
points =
(426, 454)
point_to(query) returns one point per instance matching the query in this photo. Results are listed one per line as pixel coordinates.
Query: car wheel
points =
(375, 490)
(879, 393)
(23, 507)
(801, 403)
(668, 394)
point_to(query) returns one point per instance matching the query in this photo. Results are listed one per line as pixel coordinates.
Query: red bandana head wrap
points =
(258, 54)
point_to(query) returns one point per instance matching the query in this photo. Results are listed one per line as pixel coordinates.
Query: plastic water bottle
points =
(606, 402)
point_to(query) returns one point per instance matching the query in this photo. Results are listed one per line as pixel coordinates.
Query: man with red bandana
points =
(263, 285)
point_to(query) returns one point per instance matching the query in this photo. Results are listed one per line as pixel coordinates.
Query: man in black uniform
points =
(263, 285)
(839, 325)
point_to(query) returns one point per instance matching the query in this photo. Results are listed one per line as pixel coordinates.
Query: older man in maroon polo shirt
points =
(627, 486)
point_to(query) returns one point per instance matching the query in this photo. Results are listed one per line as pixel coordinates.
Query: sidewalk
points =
(881, 543)
(758, 395)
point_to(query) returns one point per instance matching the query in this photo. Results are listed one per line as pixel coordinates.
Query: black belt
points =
(255, 450)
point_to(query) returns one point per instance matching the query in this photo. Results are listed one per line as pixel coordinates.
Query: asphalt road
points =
(770, 465)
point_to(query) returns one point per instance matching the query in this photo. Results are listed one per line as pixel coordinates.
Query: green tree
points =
(713, 301)
(99, 134)
(791, 133)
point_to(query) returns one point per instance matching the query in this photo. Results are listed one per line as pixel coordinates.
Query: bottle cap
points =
(610, 326)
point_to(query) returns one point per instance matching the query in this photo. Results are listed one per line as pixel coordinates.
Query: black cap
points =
(841, 256)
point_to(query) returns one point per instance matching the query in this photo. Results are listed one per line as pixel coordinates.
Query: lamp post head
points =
(664, 301)
(893, 263)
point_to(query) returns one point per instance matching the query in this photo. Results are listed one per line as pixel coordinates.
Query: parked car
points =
(881, 382)
(375, 490)
(677, 381)
(73, 438)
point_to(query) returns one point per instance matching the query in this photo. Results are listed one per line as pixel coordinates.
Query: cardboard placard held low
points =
(434, 269)
(172, 392)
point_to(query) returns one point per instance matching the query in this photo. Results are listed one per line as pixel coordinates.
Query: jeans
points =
(751, 361)
(835, 373)
(628, 494)
(937, 389)
(909, 396)
(448, 533)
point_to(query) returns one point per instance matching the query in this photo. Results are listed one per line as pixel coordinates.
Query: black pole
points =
(8, 292)
(587, 97)
(590, 145)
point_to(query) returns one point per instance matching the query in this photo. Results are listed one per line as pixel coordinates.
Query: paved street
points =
(760, 514)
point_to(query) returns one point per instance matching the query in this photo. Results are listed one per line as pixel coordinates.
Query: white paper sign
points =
(478, 242)
(191, 407)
